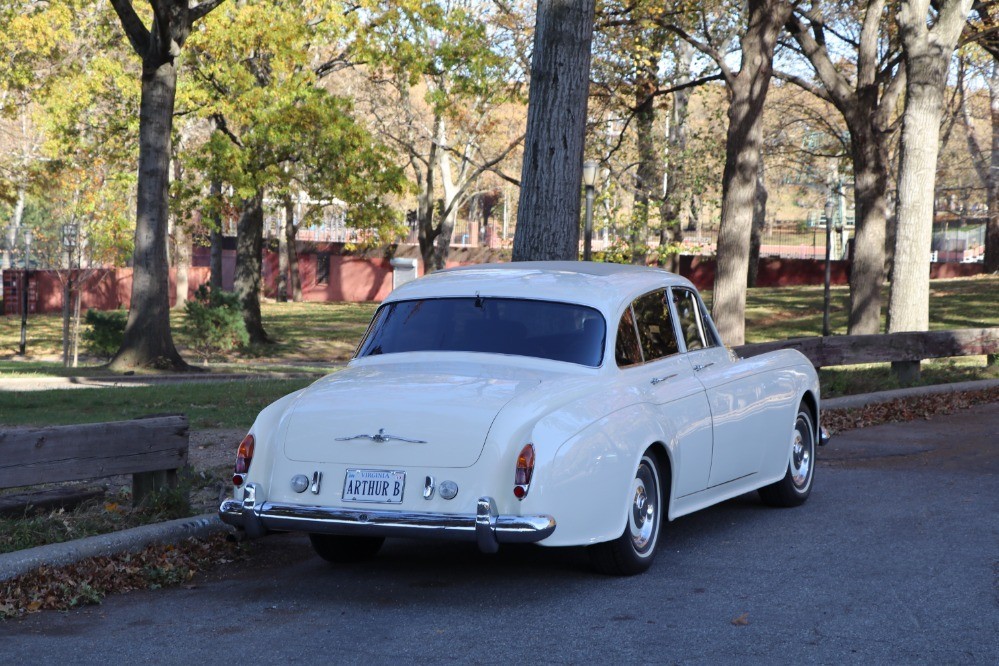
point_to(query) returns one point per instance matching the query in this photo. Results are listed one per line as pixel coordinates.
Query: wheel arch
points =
(812, 404)
(664, 459)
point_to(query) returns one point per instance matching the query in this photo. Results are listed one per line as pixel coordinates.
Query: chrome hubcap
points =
(801, 456)
(643, 519)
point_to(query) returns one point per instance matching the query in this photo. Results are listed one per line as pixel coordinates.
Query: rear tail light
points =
(525, 470)
(244, 456)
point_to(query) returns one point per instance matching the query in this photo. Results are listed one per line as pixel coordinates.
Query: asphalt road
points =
(894, 559)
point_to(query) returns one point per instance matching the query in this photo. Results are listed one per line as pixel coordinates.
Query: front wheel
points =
(341, 549)
(633, 551)
(796, 485)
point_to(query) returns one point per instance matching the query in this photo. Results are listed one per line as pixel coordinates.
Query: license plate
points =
(374, 485)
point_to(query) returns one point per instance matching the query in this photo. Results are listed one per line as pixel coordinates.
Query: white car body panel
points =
(722, 425)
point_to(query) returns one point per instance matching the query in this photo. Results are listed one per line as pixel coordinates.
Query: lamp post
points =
(590, 181)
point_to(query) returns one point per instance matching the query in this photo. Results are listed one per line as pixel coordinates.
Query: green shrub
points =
(104, 332)
(216, 322)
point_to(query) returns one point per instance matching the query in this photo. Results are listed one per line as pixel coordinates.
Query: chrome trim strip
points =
(486, 527)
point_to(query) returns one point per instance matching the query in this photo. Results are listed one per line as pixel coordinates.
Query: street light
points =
(590, 181)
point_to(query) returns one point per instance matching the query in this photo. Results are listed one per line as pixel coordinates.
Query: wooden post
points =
(145, 484)
(906, 372)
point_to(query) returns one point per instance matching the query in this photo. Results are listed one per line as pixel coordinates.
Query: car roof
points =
(604, 286)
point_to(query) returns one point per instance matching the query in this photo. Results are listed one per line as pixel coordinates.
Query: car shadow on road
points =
(428, 572)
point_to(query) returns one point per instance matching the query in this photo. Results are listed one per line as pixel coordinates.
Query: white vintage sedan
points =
(558, 403)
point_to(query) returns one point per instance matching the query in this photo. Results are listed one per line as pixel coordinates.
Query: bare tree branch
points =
(222, 126)
(137, 33)
(706, 49)
(204, 9)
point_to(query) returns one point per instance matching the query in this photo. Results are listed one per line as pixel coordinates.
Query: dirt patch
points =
(213, 447)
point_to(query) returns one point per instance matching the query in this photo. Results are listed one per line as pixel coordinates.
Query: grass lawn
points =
(778, 313)
(307, 336)
(311, 336)
(207, 405)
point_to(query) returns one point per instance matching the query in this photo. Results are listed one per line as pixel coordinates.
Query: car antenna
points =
(478, 300)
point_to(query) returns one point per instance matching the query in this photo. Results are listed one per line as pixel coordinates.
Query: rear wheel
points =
(796, 485)
(633, 551)
(340, 549)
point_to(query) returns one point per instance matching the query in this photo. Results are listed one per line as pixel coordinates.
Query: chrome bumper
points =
(486, 527)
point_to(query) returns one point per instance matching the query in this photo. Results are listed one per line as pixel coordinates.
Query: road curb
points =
(130, 540)
(850, 401)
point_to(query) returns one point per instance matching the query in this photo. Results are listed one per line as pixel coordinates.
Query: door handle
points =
(699, 367)
(659, 380)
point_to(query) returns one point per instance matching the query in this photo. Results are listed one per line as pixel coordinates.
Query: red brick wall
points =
(370, 279)
(103, 288)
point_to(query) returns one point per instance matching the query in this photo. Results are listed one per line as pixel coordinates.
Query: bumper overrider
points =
(486, 527)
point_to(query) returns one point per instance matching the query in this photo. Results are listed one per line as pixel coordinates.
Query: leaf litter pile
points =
(905, 409)
(90, 580)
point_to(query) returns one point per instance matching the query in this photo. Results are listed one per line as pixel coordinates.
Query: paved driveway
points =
(894, 559)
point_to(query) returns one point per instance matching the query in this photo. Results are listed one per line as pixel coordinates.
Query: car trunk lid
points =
(418, 414)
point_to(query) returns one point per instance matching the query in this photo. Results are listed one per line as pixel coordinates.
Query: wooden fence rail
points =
(909, 346)
(150, 449)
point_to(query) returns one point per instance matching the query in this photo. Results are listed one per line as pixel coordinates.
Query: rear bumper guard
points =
(486, 527)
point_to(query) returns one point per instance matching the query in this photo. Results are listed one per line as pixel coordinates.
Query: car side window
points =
(626, 349)
(655, 327)
(691, 322)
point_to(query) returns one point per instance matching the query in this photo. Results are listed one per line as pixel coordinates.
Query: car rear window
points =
(542, 329)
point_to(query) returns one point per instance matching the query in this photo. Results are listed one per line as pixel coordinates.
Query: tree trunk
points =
(426, 232)
(927, 59)
(676, 192)
(438, 260)
(181, 255)
(992, 228)
(759, 221)
(910, 279)
(148, 340)
(77, 298)
(282, 277)
(742, 162)
(648, 176)
(450, 206)
(249, 249)
(15, 222)
(215, 256)
(867, 261)
(67, 292)
(182, 262)
(867, 103)
(291, 246)
(551, 176)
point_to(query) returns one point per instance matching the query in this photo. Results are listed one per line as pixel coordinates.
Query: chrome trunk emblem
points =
(381, 437)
